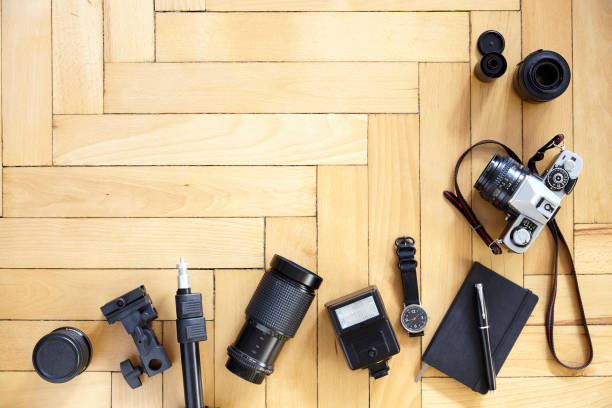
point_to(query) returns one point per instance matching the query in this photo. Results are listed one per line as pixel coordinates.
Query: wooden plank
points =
(552, 31)
(557, 392)
(342, 204)
(595, 296)
(79, 294)
(295, 239)
(592, 106)
(130, 242)
(26, 82)
(394, 210)
(27, 390)
(593, 244)
(444, 135)
(149, 395)
(159, 191)
(261, 88)
(531, 355)
(360, 5)
(111, 343)
(312, 37)
(488, 100)
(129, 31)
(210, 139)
(233, 291)
(173, 378)
(180, 5)
(77, 56)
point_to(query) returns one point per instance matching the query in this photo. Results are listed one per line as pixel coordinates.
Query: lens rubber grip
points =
(279, 304)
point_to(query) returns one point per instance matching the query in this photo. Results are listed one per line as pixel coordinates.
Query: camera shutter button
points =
(521, 236)
(569, 166)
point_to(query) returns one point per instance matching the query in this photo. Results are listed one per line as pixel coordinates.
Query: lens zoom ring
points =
(279, 305)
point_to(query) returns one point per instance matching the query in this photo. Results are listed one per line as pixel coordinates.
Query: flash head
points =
(364, 330)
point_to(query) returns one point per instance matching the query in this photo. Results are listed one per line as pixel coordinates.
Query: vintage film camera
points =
(529, 200)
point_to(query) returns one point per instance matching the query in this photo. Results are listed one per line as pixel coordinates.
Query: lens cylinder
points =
(542, 76)
(490, 67)
(499, 181)
(62, 354)
(274, 315)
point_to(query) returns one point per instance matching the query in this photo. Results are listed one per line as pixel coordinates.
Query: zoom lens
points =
(500, 180)
(274, 314)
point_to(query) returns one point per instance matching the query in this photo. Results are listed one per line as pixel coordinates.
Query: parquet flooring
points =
(225, 131)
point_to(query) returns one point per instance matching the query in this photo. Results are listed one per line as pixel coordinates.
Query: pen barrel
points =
(190, 329)
(192, 375)
(488, 358)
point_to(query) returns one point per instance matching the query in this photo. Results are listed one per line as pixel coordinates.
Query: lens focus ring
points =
(279, 304)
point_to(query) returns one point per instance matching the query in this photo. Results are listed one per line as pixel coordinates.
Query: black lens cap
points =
(296, 272)
(62, 354)
(491, 41)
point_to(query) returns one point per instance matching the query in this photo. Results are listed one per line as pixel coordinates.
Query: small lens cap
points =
(296, 272)
(491, 41)
(61, 355)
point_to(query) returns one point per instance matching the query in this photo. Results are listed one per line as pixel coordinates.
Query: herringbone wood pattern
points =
(225, 131)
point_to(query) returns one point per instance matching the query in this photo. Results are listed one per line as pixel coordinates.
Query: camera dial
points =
(521, 236)
(557, 179)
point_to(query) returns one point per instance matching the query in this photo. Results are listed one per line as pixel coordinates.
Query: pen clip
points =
(483, 307)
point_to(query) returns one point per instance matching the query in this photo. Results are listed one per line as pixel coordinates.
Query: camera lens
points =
(542, 76)
(274, 314)
(62, 354)
(500, 180)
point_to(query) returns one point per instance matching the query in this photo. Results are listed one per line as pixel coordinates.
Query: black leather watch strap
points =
(407, 266)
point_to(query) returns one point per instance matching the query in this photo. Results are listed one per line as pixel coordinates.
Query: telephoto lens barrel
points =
(274, 314)
(542, 76)
(499, 180)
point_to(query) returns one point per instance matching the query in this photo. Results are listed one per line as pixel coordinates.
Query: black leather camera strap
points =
(407, 265)
(461, 204)
(464, 208)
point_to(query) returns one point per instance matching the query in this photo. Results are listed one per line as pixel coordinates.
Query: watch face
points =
(414, 318)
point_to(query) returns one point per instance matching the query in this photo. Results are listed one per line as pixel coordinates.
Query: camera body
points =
(529, 200)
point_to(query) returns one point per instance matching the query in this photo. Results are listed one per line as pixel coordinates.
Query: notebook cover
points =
(456, 347)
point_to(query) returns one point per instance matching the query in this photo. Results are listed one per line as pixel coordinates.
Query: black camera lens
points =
(274, 314)
(62, 354)
(500, 180)
(542, 76)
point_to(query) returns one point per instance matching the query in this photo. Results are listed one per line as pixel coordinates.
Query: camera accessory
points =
(511, 176)
(61, 355)
(190, 329)
(491, 41)
(542, 76)
(491, 66)
(135, 310)
(414, 318)
(274, 314)
(364, 331)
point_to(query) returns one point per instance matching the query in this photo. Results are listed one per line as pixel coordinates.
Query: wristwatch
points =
(414, 318)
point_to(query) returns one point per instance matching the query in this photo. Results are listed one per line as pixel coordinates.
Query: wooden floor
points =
(225, 131)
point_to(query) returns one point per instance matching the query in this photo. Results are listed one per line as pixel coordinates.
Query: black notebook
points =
(456, 347)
